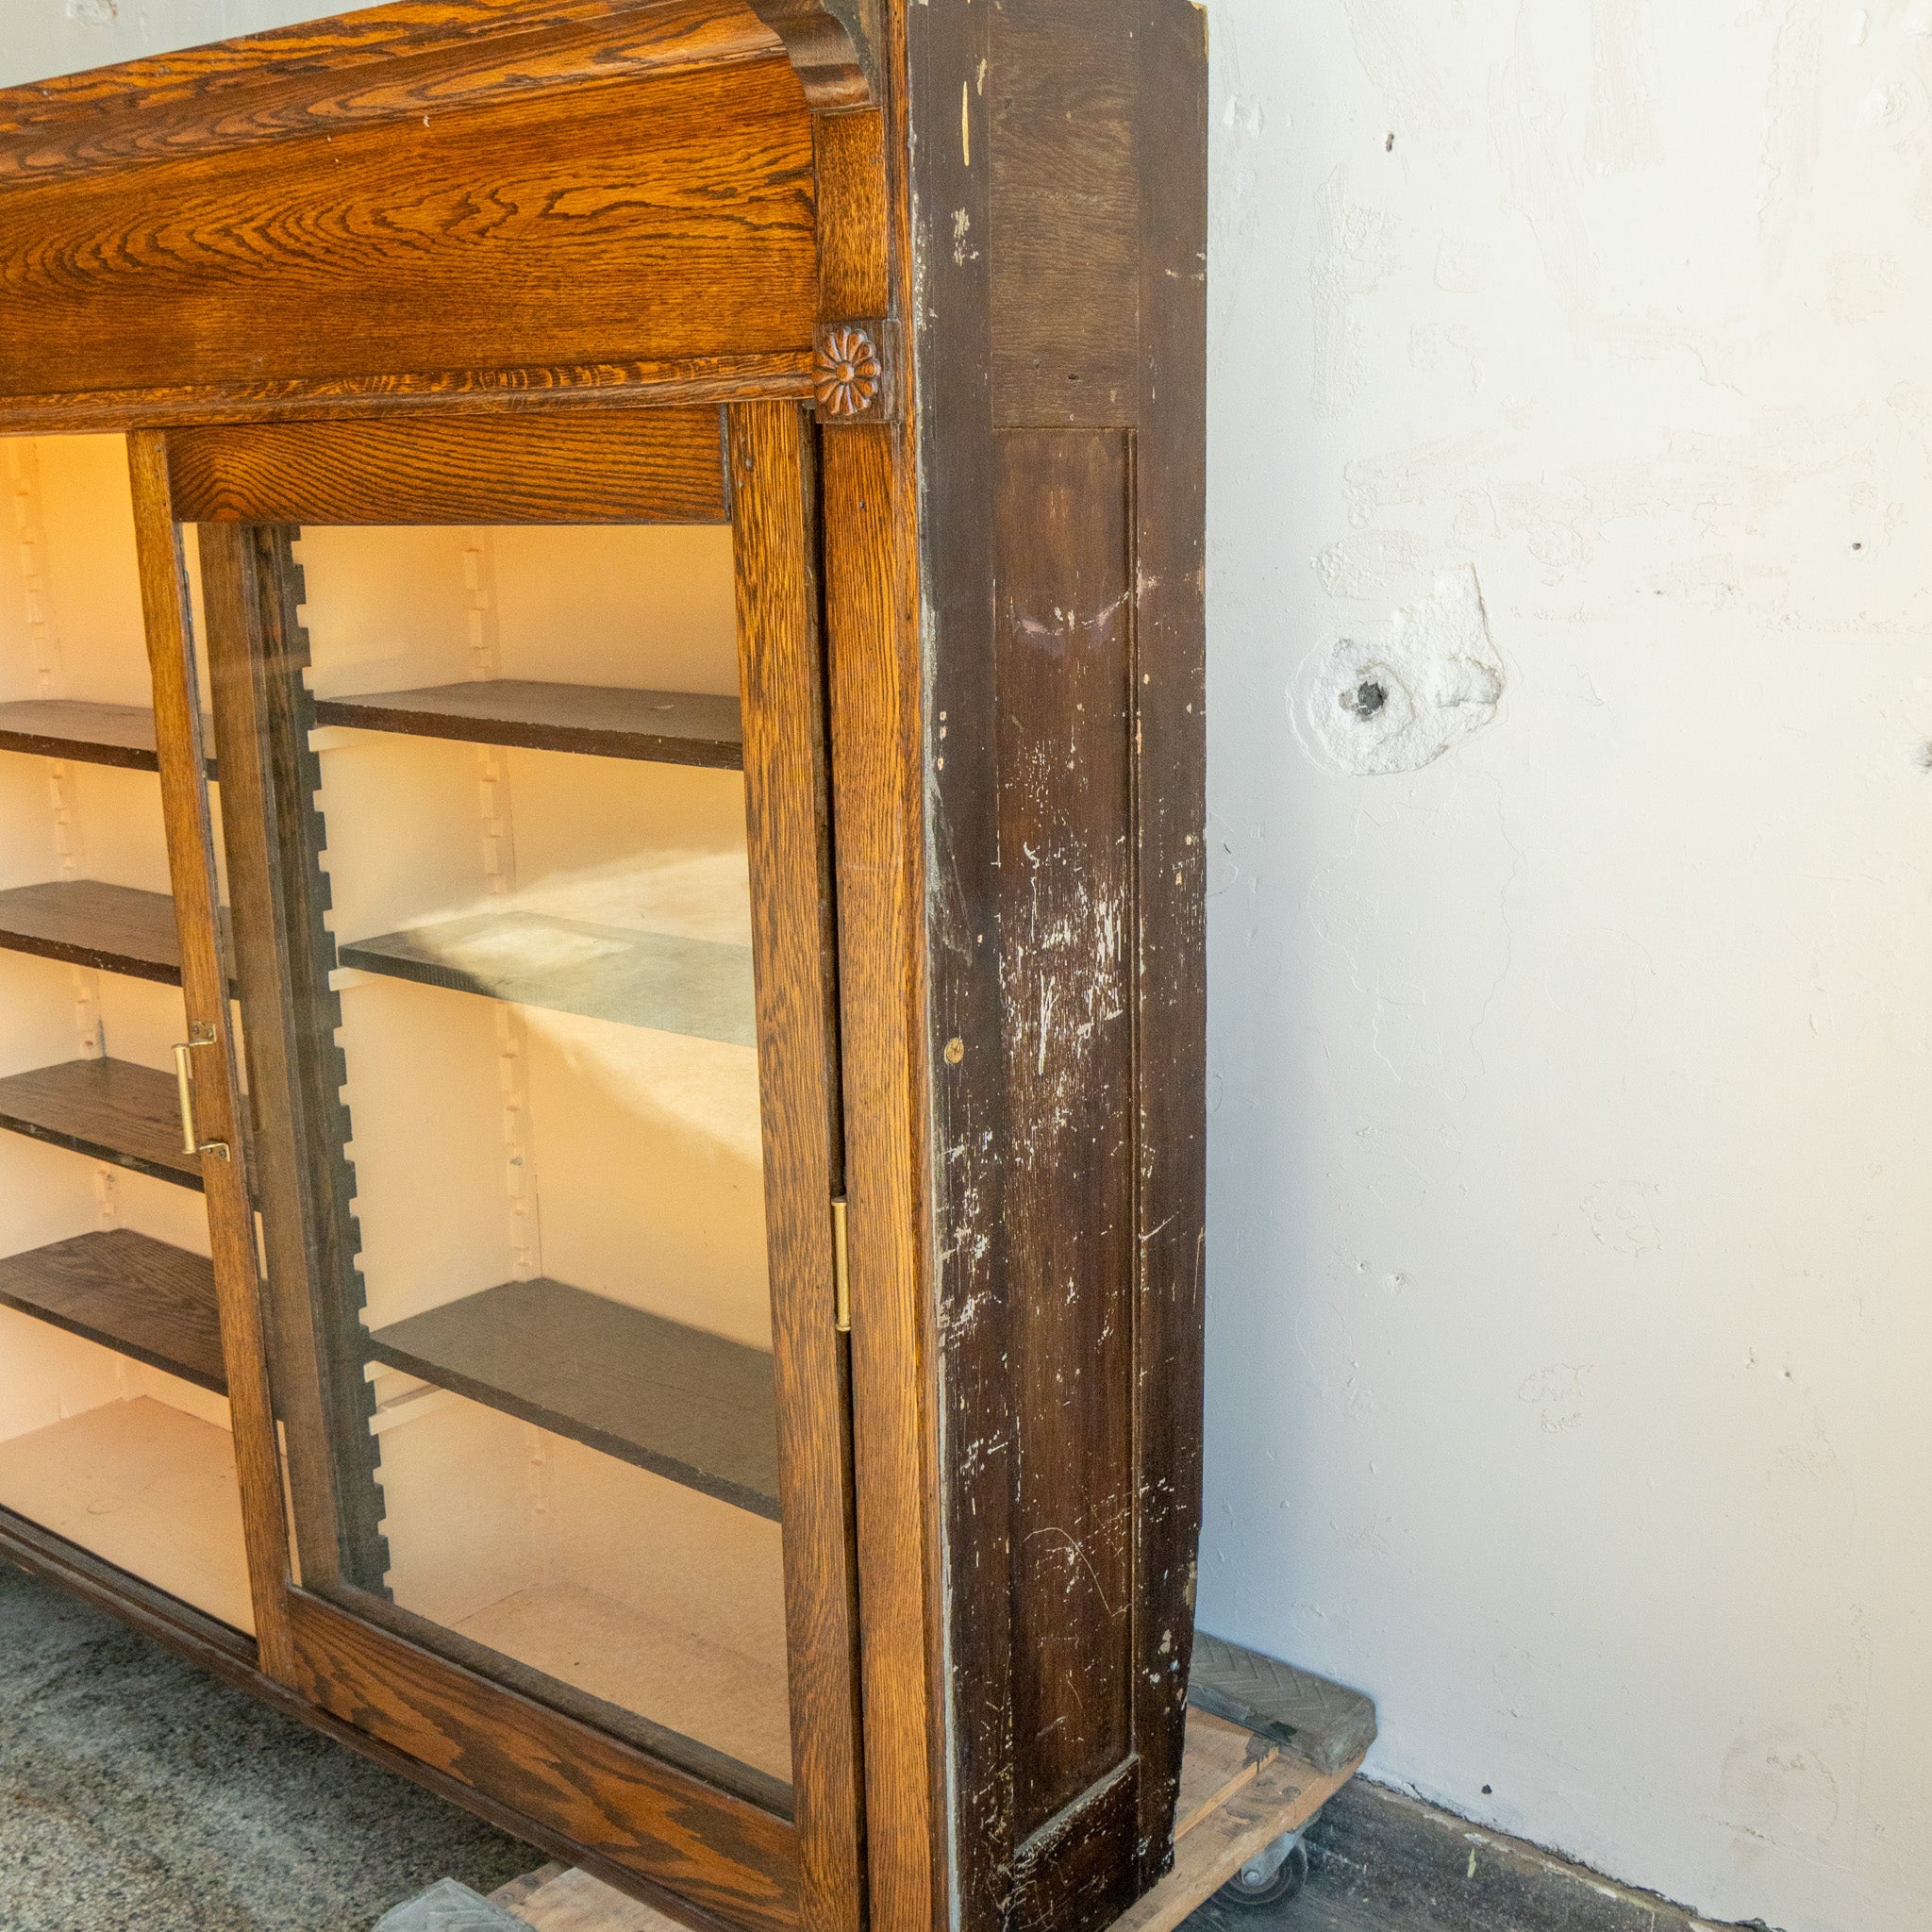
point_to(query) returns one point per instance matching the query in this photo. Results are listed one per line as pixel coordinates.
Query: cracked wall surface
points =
(1568, 1236)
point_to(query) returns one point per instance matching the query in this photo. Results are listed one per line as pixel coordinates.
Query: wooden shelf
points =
(138, 1296)
(663, 727)
(84, 923)
(120, 735)
(106, 1110)
(702, 988)
(677, 1401)
(623, 1655)
(89, 734)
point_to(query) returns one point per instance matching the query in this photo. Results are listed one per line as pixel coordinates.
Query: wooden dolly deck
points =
(1268, 1746)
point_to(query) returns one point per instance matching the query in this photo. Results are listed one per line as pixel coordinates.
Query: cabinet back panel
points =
(45, 1373)
(630, 1589)
(119, 835)
(85, 515)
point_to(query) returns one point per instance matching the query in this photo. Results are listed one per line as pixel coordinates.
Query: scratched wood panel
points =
(1062, 593)
(1039, 269)
(670, 219)
(1170, 687)
(951, 192)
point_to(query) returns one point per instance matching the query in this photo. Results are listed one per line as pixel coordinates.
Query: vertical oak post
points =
(183, 756)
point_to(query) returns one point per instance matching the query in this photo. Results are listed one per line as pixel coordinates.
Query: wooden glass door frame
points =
(645, 1821)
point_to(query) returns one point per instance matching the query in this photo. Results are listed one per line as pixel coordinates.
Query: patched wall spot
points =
(1376, 709)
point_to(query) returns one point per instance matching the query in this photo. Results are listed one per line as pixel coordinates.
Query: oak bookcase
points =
(601, 971)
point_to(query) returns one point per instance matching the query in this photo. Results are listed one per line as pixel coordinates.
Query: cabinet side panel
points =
(1171, 832)
(1059, 161)
(1063, 630)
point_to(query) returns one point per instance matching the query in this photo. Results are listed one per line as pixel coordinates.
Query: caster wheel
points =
(1284, 1883)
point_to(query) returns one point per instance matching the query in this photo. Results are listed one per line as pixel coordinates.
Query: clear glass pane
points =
(113, 1423)
(546, 995)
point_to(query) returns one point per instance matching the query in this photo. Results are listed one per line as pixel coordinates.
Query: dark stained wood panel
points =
(108, 1109)
(114, 928)
(1171, 840)
(1064, 633)
(1065, 248)
(659, 727)
(121, 735)
(700, 988)
(687, 1405)
(131, 1294)
(605, 467)
(674, 219)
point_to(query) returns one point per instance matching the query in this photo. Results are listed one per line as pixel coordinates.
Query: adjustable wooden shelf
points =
(601, 979)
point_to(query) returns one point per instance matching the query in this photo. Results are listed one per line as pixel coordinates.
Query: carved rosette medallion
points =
(847, 373)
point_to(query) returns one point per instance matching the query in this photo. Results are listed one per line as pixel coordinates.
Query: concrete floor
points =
(140, 1795)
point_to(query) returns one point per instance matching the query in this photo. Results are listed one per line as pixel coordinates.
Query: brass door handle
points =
(184, 1081)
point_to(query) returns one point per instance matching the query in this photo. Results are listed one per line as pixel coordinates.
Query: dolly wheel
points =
(1274, 1889)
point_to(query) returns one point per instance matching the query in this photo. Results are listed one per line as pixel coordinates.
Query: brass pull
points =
(841, 1269)
(184, 1081)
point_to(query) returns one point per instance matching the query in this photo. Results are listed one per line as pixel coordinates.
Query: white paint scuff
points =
(1374, 709)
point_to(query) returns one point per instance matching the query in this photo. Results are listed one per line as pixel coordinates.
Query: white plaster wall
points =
(1569, 1239)
(1569, 1317)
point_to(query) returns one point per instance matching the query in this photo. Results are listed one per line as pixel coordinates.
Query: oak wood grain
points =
(586, 388)
(854, 238)
(136, 1295)
(724, 1854)
(782, 684)
(657, 726)
(873, 630)
(352, 69)
(181, 738)
(84, 923)
(673, 219)
(129, 1116)
(690, 1406)
(637, 466)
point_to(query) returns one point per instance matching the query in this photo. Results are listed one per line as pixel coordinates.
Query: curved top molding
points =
(833, 44)
(401, 61)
